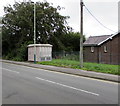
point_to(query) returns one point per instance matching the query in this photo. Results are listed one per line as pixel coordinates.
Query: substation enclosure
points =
(43, 52)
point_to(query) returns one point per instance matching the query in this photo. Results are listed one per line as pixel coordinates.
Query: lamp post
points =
(34, 33)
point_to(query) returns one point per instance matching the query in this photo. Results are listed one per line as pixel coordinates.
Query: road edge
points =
(95, 75)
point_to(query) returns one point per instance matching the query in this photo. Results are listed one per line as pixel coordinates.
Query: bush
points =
(17, 59)
(22, 52)
(10, 56)
(19, 53)
(71, 57)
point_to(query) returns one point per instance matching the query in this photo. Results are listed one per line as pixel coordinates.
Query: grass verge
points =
(103, 68)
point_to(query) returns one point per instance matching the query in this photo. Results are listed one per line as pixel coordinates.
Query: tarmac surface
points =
(91, 74)
(22, 84)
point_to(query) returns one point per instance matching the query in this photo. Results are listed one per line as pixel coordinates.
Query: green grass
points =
(103, 68)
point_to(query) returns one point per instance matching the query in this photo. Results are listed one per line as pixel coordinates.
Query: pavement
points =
(29, 85)
(96, 75)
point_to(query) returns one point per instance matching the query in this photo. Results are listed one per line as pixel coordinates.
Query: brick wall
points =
(90, 56)
(110, 56)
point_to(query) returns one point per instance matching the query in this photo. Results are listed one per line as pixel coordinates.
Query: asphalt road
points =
(26, 85)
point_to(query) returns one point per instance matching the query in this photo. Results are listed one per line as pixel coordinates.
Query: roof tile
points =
(95, 40)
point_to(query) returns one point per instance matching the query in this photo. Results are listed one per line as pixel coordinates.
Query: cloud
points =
(106, 11)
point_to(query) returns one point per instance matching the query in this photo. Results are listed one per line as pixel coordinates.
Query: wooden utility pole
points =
(81, 34)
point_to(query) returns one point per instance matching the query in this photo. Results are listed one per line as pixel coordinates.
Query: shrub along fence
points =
(72, 55)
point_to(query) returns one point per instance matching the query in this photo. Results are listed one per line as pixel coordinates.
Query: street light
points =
(34, 32)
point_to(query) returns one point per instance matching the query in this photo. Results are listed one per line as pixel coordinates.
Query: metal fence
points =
(95, 58)
(73, 55)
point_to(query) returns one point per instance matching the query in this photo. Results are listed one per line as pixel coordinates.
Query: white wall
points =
(43, 53)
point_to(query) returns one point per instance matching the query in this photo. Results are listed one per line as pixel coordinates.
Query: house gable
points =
(105, 51)
(111, 37)
(98, 40)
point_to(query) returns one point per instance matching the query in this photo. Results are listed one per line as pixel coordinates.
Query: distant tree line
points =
(51, 27)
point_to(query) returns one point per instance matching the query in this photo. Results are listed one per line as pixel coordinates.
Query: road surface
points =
(27, 85)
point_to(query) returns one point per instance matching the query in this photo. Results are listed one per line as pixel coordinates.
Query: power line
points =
(97, 19)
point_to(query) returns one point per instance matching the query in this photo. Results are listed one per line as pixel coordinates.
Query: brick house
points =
(102, 49)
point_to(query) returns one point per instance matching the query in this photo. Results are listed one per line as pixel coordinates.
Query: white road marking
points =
(100, 80)
(11, 70)
(67, 86)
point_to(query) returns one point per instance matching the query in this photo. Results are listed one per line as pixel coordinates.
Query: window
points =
(92, 49)
(42, 58)
(105, 49)
(48, 58)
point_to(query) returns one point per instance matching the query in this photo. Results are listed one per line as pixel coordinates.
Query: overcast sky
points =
(106, 11)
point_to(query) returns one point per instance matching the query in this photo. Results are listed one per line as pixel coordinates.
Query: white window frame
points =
(105, 49)
(92, 49)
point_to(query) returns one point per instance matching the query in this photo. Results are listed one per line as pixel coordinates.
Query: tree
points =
(71, 41)
(18, 26)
